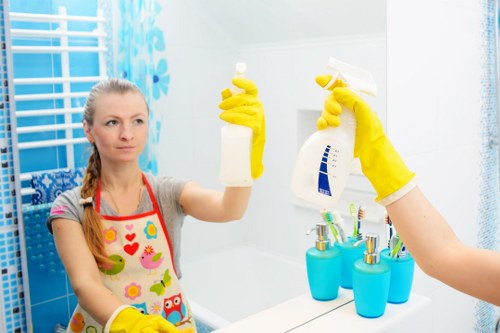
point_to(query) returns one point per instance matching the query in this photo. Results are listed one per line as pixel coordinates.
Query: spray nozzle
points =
(354, 77)
(240, 71)
(371, 253)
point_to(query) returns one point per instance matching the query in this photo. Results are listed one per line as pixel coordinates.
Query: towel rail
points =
(56, 33)
(50, 143)
(37, 97)
(14, 16)
(56, 49)
(58, 80)
(47, 112)
(48, 128)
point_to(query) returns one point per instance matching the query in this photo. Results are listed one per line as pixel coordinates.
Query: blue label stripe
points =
(323, 179)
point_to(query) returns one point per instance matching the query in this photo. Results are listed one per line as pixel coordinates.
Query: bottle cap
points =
(371, 254)
(322, 240)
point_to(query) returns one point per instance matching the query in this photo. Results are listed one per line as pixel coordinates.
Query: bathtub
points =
(231, 284)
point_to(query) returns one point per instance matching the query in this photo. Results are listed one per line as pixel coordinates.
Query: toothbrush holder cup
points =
(349, 254)
(402, 269)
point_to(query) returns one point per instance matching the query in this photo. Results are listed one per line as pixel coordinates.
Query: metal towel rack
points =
(59, 36)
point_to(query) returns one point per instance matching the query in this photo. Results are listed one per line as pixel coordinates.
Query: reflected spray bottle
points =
(236, 147)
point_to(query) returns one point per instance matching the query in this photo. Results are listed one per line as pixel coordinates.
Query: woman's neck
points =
(121, 180)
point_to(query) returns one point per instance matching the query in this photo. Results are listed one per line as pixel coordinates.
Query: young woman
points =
(439, 253)
(118, 235)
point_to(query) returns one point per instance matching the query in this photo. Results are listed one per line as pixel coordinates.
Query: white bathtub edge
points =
(206, 316)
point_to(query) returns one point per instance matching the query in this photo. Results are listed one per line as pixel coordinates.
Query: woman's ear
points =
(88, 134)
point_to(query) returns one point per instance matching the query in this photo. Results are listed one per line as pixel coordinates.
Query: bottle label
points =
(329, 160)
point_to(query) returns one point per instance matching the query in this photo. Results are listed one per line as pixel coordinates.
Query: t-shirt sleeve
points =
(66, 206)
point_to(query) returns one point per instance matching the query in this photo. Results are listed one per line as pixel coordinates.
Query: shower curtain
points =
(137, 54)
(489, 183)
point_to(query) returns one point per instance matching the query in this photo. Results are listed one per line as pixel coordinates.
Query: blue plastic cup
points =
(349, 254)
(402, 269)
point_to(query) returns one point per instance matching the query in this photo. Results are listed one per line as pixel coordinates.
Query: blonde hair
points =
(92, 227)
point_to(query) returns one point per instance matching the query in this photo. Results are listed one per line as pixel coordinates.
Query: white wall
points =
(433, 115)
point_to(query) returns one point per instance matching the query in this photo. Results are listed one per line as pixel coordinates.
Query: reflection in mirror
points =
(259, 262)
(182, 56)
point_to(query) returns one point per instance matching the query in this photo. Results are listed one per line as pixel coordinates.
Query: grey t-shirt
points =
(166, 190)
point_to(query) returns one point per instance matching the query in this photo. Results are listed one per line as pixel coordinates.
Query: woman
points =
(439, 253)
(118, 235)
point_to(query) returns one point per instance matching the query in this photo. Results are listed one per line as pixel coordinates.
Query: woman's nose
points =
(126, 132)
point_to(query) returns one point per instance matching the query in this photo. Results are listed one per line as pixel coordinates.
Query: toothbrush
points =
(336, 221)
(361, 215)
(328, 218)
(396, 244)
(352, 210)
(388, 222)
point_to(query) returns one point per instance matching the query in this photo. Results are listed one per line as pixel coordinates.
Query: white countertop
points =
(303, 314)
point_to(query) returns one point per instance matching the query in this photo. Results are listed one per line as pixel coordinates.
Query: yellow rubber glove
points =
(380, 162)
(245, 109)
(130, 320)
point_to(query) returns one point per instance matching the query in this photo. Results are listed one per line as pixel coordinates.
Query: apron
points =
(142, 274)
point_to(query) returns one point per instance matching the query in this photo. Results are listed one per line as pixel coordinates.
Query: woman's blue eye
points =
(139, 121)
(111, 123)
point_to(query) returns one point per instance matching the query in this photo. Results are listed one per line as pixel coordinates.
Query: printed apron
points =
(142, 273)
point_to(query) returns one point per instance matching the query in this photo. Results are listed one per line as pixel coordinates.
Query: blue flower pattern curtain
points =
(138, 59)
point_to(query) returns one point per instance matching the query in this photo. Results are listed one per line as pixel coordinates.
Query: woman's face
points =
(120, 127)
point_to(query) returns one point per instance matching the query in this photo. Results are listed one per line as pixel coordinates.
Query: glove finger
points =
(243, 120)
(245, 84)
(350, 99)
(321, 123)
(332, 106)
(226, 93)
(239, 100)
(248, 110)
(324, 80)
(331, 120)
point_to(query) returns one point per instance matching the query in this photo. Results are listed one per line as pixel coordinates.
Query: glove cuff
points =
(391, 198)
(115, 314)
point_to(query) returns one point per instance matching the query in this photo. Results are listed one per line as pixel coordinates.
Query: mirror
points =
(285, 44)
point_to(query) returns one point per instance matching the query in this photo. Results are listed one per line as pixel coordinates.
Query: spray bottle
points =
(326, 158)
(236, 145)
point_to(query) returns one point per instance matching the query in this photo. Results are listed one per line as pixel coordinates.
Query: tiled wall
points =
(12, 300)
(51, 298)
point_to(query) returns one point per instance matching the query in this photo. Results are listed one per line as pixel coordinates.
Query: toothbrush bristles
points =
(361, 213)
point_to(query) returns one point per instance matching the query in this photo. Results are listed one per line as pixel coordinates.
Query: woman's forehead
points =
(121, 102)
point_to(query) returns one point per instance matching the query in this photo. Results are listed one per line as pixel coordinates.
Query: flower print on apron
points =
(142, 273)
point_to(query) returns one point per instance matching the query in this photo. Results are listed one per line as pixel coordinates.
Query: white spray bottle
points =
(236, 145)
(326, 158)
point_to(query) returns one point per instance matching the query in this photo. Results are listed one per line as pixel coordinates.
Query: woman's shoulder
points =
(162, 181)
(69, 197)
(166, 185)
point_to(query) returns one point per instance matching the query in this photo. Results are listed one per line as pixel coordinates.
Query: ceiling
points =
(270, 21)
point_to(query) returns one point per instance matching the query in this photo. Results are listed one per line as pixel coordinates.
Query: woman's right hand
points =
(130, 320)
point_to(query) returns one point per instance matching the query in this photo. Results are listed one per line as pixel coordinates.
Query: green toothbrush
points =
(328, 218)
(352, 210)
